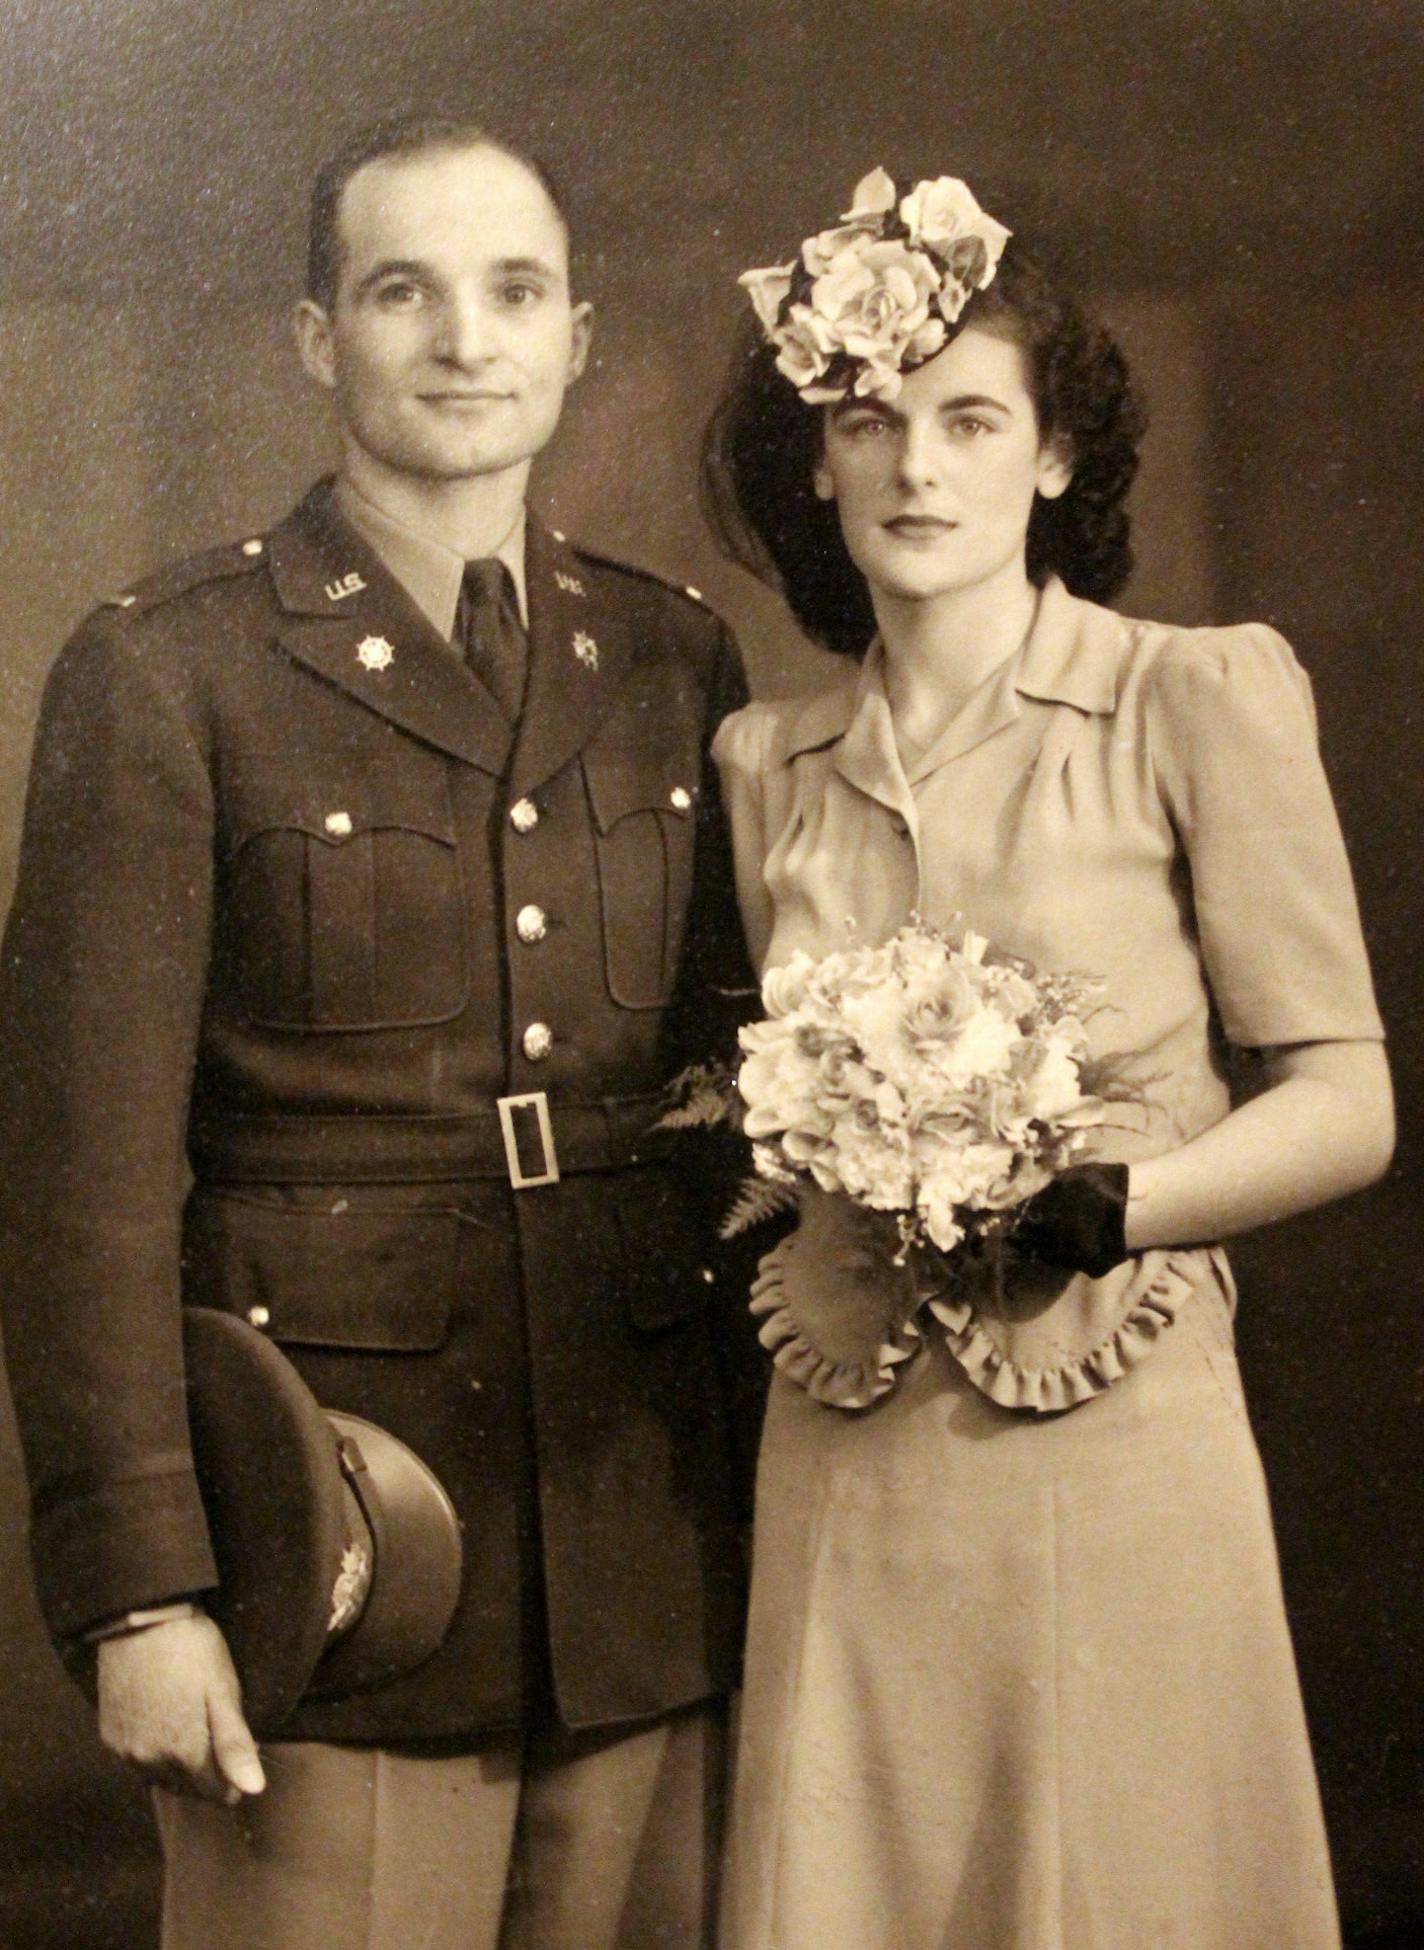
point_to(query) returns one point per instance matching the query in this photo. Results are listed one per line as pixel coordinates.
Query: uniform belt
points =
(523, 1139)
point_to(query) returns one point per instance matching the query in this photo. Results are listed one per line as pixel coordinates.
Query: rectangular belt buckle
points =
(536, 1101)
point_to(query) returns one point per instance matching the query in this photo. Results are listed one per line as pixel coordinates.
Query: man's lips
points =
(485, 396)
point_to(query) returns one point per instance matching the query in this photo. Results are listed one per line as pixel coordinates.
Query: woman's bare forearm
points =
(1323, 1127)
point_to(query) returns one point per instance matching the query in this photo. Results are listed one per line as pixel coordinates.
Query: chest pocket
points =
(644, 825)
(344, 905)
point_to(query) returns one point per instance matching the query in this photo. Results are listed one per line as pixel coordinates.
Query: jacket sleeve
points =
(717, 992)
(104, 967)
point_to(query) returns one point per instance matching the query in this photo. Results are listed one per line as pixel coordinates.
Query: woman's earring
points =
(824, 486)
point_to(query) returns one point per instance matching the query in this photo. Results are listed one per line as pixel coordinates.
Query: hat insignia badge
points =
(374, 653)
(586, 650)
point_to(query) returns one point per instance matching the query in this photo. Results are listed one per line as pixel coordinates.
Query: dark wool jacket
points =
(262, 987)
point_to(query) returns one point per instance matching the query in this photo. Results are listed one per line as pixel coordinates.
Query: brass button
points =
(531, 923)
(524, 815)
(538, 1040)
(338, 824)
(254, 547)
(259, 1316)
(680, 798)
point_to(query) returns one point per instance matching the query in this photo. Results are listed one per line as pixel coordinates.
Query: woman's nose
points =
(917, 456)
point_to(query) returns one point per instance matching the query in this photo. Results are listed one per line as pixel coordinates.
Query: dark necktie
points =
(489, 632)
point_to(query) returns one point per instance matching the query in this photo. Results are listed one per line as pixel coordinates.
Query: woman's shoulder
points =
(1199, 693)
(769, 732)
(1236, 659)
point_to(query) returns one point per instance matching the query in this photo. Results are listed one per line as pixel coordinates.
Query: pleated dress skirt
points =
(1022, 1682)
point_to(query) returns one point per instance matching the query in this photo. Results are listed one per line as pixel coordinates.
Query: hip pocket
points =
(363, 1279)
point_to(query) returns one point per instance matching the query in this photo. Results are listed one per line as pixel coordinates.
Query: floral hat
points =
(874, 296)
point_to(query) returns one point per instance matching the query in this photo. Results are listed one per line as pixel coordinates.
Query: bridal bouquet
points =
(927, 1078)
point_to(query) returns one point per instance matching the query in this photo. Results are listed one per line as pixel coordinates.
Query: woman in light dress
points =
(1018, 1674)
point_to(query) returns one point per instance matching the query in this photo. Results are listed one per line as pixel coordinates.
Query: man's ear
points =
(582, 338)
(1055, 471)
(316, 344)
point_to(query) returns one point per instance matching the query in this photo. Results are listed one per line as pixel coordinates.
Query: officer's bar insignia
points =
(345, 586)
(538, 1103)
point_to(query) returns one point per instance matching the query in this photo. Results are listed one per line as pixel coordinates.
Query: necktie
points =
(489, 632)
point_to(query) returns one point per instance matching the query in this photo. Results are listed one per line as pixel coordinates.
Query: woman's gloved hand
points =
(1077, 1221)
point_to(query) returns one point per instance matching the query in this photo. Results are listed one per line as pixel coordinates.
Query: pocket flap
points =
(619, 784)
(382, 1281)
(334, 803)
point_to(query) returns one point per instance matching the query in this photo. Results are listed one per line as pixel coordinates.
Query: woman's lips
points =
(919, 527)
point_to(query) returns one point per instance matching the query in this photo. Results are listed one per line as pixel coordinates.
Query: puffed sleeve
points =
(742, 749)
(1232, 735)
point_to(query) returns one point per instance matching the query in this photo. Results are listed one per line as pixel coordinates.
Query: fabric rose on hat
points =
(875, 302)
(872, 297)
(767, 289)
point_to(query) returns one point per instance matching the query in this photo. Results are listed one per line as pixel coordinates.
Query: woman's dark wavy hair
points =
(763, 443)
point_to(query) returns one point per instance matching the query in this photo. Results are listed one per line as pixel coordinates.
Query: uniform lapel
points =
(579, 651)
(347, 618)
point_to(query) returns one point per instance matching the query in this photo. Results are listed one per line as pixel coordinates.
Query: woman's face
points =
(934, 489)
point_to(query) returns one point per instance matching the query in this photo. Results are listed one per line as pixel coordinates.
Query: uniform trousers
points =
(603, 1841)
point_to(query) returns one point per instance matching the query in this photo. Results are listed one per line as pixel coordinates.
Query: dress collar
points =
(429, 572)
(1071, 655)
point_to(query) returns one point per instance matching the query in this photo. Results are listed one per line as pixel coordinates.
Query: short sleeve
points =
(742, 749)
(1231, 728)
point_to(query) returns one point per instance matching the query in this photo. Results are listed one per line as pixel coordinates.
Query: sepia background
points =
(1236, 183)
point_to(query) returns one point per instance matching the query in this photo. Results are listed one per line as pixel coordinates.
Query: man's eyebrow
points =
(539, 265)
(393, 267)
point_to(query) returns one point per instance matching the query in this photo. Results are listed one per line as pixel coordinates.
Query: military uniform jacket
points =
(296, 907)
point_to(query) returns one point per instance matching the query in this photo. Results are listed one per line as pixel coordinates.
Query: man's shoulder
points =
(629, 581)
(226, 563)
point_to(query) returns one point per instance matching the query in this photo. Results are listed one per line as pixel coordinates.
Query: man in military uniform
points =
(374, 882)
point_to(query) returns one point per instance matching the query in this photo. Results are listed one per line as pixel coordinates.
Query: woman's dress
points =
(1018, 1674)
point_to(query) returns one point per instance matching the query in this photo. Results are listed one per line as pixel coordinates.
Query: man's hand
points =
(170, 1705)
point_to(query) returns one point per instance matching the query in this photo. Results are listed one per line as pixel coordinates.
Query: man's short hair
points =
(396, 135)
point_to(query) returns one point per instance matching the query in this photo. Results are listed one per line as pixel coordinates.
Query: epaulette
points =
(683, 589)
(211, 565)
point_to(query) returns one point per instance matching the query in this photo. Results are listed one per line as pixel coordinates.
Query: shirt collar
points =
(429, 572)
(1071, 656)
(1073, 652)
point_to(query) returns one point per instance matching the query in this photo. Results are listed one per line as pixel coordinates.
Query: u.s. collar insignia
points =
(344, 586)
(586, 650)
(571, 583)
(374, 653)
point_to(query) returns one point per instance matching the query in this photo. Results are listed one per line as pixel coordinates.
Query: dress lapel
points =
(346, 617)
(580, 648)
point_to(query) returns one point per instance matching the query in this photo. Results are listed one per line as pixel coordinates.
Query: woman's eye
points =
(970, 427)
(869, 428)
(398, 296)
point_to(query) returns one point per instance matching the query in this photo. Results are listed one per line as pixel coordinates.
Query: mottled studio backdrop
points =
(1238, 180)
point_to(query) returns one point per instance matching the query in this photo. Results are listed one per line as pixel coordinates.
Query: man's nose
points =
(464, 335)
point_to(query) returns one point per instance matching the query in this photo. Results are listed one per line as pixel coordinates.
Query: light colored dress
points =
(1018, 1673)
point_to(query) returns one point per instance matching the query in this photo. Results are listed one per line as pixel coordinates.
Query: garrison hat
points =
(338, 1551)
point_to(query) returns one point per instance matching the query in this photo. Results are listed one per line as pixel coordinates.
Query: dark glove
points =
(1076, 1221)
